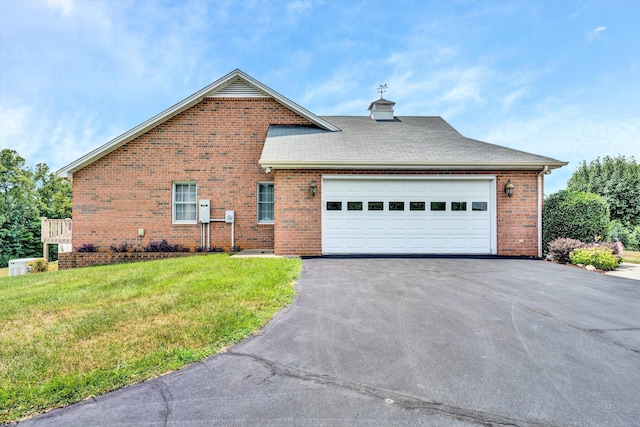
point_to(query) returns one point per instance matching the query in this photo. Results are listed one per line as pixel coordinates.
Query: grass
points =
(631, 256)
(69, 335)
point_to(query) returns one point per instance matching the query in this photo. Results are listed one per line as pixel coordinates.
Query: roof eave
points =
(411, 166)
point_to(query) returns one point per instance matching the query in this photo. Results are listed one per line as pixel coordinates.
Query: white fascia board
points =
(431, 166)
(68, 170)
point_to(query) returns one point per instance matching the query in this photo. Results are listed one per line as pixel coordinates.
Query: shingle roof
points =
(406, 142)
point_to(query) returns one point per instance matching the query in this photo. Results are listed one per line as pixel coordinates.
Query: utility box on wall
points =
(204, 212)
(229, 217)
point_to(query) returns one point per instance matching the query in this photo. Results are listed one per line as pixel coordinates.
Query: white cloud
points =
(65, 6)
(596, 33)
(568, 134)
(40, 138)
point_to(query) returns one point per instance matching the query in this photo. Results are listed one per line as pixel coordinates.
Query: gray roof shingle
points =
(406, 142)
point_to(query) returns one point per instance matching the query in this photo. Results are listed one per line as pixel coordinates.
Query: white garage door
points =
(408, 216)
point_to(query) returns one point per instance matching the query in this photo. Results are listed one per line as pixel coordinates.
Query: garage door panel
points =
(420, 230)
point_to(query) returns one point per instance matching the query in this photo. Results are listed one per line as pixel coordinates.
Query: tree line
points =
(27, 194)
(601, 203)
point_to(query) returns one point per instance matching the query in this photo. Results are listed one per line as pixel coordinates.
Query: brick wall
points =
(70, 260)
(518, 215)
(216, 143)
(298, 215)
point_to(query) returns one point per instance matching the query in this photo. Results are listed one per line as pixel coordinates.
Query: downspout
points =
(544, 171)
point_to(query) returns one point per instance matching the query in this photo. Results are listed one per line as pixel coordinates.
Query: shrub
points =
(235, 249)
(164, 246)
(561, 248)
(87, 247)
(123, 247)
(39, 266)
(575, 215)
(213, 249)
(600, 257)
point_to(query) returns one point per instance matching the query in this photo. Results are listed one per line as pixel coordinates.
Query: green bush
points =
(39, 266)
(600, 257)
(627, 235)
(575, 215)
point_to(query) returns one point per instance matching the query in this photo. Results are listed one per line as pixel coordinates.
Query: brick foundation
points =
(70, 260)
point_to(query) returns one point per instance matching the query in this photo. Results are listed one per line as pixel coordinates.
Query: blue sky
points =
(556, 78)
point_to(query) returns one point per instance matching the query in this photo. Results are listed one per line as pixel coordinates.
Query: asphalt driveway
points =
(392, 341)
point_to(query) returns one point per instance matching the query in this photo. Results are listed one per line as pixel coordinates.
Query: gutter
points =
(544, 171)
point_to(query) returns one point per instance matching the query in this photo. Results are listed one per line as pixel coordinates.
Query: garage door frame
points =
(489, 178)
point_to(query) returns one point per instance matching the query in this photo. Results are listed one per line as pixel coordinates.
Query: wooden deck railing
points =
(54, 231)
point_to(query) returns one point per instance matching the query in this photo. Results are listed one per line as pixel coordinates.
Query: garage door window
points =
(458, 206)
(479, 206)
(354, 206)
(334, 206)
(396, 206)
(376, 206)
(417, 206)
(438, 206)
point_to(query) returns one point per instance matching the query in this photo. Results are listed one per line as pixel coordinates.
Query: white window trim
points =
(259, 221)
(173, 203)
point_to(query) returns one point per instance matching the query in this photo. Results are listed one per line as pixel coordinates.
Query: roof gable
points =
(236, 84)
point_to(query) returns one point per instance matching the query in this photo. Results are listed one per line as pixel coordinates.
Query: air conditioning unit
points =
(18, 267)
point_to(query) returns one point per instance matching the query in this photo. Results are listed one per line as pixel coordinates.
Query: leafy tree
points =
(25, 196)
(575, 215)
(53, 193)
(615, 179)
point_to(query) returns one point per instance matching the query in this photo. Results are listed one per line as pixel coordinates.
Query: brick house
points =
(302, 184)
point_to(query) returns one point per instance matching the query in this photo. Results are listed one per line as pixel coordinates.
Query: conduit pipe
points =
(544, 171)
(208, 233)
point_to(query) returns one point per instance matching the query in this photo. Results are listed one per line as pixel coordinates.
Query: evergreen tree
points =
(617, 180)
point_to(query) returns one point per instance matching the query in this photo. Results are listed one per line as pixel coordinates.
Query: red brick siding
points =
(298, 215)
(216, 143)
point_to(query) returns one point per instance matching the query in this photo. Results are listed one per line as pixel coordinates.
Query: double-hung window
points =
(184, 202)
(265, 203)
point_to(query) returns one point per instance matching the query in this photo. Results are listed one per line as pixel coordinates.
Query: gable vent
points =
(238, 88)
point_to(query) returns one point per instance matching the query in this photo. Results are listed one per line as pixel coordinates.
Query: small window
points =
(438, 206)
(458, 206)
(265, 203)
(396, 206)
(376, 206)
(334, 206)
(354, 206)
(417, 206)
(478, 206)
(184, 202)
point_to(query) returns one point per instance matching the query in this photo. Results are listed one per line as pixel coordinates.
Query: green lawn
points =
(69, 335)
(631, 256)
